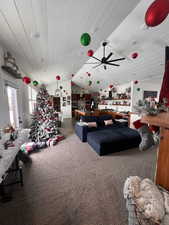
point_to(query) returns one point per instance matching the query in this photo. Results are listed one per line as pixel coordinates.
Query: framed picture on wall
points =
(68, 102)
(64, 99)
(148, 94)
(68, 97)
(64, 104)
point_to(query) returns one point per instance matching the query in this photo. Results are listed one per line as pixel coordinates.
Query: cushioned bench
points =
(116, 138)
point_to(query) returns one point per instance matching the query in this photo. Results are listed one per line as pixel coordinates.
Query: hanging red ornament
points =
(57, 77)
(88, 74)
(72, 75)
(26, 80)
(134, 55)
(72, 83)
(64, 90)
(136, 82)
(90, 53)
(157, 12)
(110, 86)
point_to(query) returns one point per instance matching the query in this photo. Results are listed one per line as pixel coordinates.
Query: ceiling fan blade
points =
(113, 64)
(96, 58)
(109, 56)
(114, 60)
(92, 63)
(96, 66)
(103, 50)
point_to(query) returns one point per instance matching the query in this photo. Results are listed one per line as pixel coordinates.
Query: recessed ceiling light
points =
(35, 35)
(134, 42)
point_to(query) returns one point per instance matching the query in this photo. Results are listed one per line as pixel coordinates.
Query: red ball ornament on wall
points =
(26, 80)
(90, 53)
(134, 55)
(57, 77)
(136, 82)
(88, 74)
(157, 12)
(110, 86)
(72, 75)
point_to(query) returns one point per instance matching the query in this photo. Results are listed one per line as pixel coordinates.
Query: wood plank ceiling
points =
(44, 35)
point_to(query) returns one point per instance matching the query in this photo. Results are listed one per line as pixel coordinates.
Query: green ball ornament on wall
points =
(138, 89)
(98, 82)
(85, 39)
(35, 83)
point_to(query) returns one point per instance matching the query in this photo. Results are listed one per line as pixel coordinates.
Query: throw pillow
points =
(147, 140)
(137, 124)
(108, 122)
(150, 201)
(92, 124)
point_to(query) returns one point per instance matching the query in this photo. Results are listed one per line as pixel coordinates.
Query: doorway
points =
(13, 106)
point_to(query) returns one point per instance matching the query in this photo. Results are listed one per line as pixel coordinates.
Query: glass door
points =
(13, 106)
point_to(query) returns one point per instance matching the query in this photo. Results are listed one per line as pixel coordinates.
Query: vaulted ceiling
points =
(44, 36)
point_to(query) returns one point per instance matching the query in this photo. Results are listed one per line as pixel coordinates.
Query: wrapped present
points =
(28, 147)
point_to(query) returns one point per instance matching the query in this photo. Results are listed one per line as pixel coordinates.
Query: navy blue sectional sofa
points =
(107, 139)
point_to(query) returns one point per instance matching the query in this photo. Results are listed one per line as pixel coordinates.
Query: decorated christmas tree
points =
(44, 118)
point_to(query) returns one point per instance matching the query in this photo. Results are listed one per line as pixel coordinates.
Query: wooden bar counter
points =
(162, 168)
(114, 114)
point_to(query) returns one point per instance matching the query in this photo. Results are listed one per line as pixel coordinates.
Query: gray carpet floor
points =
(69, 184)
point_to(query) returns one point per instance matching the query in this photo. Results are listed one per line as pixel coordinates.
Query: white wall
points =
(23, 108)
(66, 91)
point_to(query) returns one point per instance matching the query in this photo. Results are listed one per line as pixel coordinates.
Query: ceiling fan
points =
(105, 60)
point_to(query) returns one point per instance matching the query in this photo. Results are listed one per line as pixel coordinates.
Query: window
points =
(32, 99)
(13, 106)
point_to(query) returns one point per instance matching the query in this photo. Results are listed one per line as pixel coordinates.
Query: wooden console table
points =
(162, 168)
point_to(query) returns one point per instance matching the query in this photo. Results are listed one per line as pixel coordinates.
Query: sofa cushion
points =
(108, 122)
(114, 139)
(89, 118)
(91, 124)
(101, 119)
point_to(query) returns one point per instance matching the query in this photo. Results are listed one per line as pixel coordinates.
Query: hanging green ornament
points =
(85, 39)
(98, 82)
(138, 89)
(90, 82)
(35, 83)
